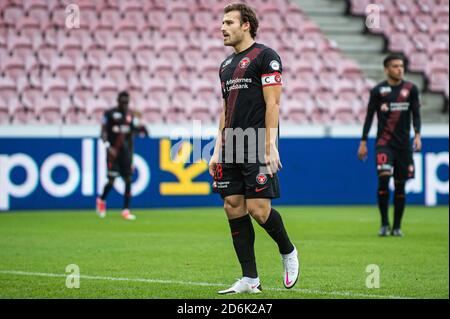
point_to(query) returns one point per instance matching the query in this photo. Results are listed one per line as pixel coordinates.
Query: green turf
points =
(194, 245)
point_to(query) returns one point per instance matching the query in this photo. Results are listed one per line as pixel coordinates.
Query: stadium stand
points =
(167, 53)
(419, 30)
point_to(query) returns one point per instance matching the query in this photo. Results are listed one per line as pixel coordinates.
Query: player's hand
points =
(112, 152)
(212, 164)
(417, 143)
(362, 151)
(273, 161)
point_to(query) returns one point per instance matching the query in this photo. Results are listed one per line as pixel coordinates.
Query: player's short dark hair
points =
(392, 57)
(247, 15)
(122, 95)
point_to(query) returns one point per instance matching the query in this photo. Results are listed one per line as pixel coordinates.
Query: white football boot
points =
(241, 286)
(291, 268)
(127, 215)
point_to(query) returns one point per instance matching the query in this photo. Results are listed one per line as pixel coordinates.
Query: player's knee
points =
(111, 180)
(383, 183)
(128, 180)
(399, 188)
(234, 205)
(259, 211)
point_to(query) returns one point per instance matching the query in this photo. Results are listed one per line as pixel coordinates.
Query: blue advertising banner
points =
(68, 173)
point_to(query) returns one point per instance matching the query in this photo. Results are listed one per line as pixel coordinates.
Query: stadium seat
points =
(341, 111)
(152, 49)
(31, 94)
(95, 108)
(63, 67)
(202, 19)
(21, 114)
(151, 110)
(192, 54)
(69, 47)
(4, 112)
(12, 13)
(417, 61)
(48, 111)
(157, 19)
(13, 67)
(399, 42)
(106, 89)
(199, 110)
(20, 45)
(297, 111)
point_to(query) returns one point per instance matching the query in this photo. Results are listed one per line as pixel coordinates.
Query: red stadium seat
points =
(20, 45)
(22, 114)
(64, 67)
(95, 108)
(151, 111)
(12, 13)
(417, 61)
(70, 47)
(55, 88)
(13, 67)
(358, 7)
(48, 111)
(406, 7)
(192, 54)
(399, 42)
(342, 111)
(424, 22)
(439, 81)
(297, 111)
(4, 112)
(157, 19)
(199, 110)
(203, 18)
(106, 89)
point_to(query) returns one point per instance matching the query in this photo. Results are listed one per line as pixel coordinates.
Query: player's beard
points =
(396, 77)
(233, 40)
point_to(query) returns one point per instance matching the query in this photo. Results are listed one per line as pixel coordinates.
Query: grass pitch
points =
(188, 253)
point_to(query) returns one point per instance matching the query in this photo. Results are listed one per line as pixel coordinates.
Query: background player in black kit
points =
(251, 84)
(394, 101)
(119, 126)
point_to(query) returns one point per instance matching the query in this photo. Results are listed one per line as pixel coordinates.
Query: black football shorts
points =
(119, 165)
(398, 162)
(246, 179)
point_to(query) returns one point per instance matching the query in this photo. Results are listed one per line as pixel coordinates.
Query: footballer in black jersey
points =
(245, 176)
(118, 128)
(396, 103)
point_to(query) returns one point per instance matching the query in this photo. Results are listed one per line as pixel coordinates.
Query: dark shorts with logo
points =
(398, 162)
(245, 179)
(119, 165)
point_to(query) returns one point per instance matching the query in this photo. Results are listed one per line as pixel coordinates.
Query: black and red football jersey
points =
(395, 107)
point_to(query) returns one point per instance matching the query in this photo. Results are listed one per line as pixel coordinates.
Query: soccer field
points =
(188, 253)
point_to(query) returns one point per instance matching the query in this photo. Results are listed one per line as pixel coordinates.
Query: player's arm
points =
(417, 122)
(215, 158)
(362, 150)
(272, 95)
(104, 134)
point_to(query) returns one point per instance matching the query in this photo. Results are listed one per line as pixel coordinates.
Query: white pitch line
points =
(204, 284)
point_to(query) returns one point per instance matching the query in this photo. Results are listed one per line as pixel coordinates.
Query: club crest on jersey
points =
(261, 179)
(384, 107)
(385, 90)
(245, 62)
(404, 93)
